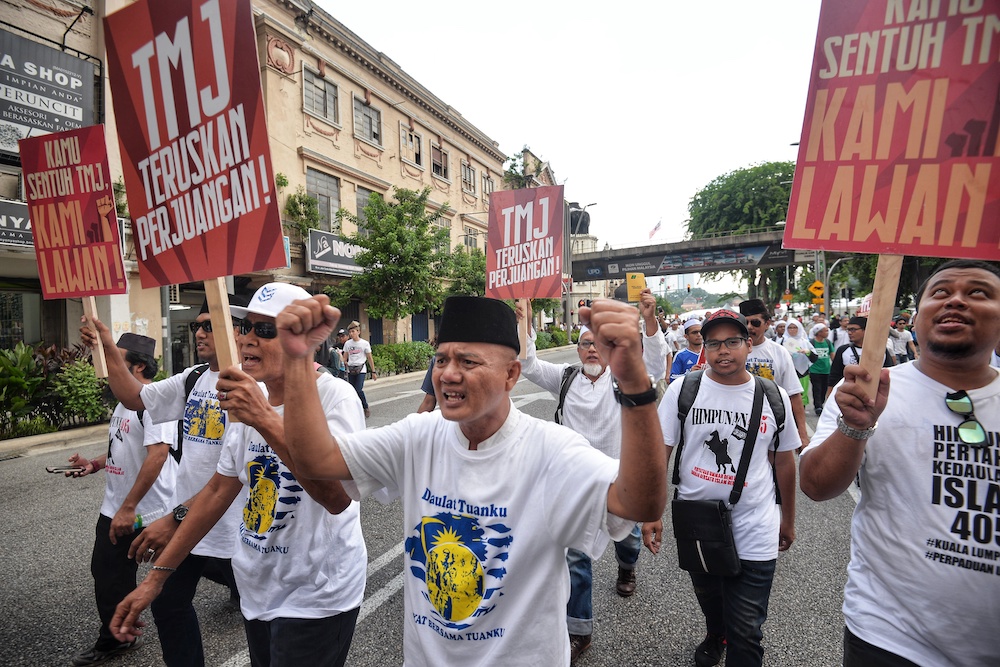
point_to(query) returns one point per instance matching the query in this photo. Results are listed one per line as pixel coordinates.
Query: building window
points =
(326, 190)
(444, 223)
(320, 96)
(472, 237)
(362, 196)
(411, 146)
(367, 122)
(468, 178)
(439, 162)
(487, 186)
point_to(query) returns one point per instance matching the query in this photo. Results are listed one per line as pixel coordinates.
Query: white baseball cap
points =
(271, 299)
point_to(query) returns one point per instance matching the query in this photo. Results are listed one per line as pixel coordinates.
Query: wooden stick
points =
(877, 331)
(523, 329)
(222, 322)
(100, 361)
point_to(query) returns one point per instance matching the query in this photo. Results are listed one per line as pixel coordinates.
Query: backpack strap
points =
(567, 378)
(689, 389)
(751, 439)
(189, 382)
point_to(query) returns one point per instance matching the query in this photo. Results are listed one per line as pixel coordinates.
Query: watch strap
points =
(855, 433)
(634, 400)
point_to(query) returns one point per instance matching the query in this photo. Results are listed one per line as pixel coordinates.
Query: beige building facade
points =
(344, 120)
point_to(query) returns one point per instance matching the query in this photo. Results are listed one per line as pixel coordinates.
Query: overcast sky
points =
(636, 106)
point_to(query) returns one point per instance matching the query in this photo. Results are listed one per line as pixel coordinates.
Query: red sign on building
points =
(899, 146)
(185, 83)
(525, 247)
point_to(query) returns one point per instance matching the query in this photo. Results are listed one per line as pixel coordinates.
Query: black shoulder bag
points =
(704, 528)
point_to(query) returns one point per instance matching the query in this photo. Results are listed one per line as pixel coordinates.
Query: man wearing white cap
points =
(300, 557)
(688, 357)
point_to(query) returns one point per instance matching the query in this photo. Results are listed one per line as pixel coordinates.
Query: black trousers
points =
(859, 653)
(114, 577)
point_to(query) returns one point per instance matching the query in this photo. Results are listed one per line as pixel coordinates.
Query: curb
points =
(98, 433)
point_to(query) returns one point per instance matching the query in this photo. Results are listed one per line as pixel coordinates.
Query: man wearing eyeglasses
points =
(849, 354)
(204, 425)
(922, 585)
(771, 361)
(715, 431)
(300, 557)
(589, 408)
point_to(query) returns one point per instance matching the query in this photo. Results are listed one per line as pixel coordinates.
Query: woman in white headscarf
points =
(798, 345)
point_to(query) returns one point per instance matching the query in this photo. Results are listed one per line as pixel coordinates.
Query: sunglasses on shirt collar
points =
(970, 431)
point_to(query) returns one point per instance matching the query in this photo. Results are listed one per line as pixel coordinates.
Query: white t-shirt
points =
(773, 362)
(922, 581)
(293, 558)
(204, 425)
(900, 342)
(357, 353)
(718, 418)
(127, 442)
(486, 532)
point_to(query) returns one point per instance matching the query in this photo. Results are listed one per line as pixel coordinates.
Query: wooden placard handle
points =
(877, 330)
(100, 361)
(523, 328)
(222, 323)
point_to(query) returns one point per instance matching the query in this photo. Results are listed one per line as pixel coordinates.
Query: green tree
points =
(520, 173)
(403, 266)
(750, 199)
(466, 269)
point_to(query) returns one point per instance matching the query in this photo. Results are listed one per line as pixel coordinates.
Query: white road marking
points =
(525, 399)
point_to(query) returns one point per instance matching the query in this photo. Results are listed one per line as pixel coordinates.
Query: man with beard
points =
(204, 424)
(300, 556)
(921, 583)
(588, 407)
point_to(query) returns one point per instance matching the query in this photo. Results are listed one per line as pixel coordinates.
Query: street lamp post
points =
(569, 268)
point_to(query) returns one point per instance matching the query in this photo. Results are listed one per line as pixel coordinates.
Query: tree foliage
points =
(403, 266)
(750, 199)
(466, 269)
(518, 173)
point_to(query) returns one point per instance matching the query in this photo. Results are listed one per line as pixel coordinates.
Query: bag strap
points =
(753, 428)
(567, 378)
(689, 390)
(189, 383)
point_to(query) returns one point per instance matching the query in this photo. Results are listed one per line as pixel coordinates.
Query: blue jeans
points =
(580, 608)
(736, 607)
(317, 642)
(176, 620)
(358, 382)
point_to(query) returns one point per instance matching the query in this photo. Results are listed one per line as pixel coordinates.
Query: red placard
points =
(71, 206)
(899, 145)
(186, 89)
(524, 257)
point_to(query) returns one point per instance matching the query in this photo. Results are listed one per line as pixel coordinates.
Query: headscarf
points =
(797, 342)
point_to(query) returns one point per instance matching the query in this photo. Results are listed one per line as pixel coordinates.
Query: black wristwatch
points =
(180, 512)
(634, 400)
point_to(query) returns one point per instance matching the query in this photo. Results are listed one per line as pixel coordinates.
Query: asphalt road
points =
(46, 592)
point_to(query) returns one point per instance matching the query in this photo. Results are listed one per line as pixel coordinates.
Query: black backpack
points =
(567, 377)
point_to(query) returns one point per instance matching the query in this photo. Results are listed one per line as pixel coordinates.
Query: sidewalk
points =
(98, 433)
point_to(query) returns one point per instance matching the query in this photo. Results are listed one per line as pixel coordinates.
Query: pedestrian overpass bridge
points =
(723, 252)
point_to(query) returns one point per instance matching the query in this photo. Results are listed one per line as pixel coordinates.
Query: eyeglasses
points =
(206, 325)
(756, 323)
(854, 329)
(731, 343)
(970, 431)
(262, 329)
(587, 344)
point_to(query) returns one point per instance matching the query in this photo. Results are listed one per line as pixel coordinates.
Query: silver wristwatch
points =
(854, 433)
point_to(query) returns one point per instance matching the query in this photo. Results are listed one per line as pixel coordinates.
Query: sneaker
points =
(93, 656)
(819, 411)
(709, 652)
(577, 645)
(625, 586)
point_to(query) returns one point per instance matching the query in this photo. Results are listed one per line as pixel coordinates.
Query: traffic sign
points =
(787, 296)
(816, 288)
(818, 300)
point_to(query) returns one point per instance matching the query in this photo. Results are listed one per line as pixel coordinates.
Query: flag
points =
(655, 229)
